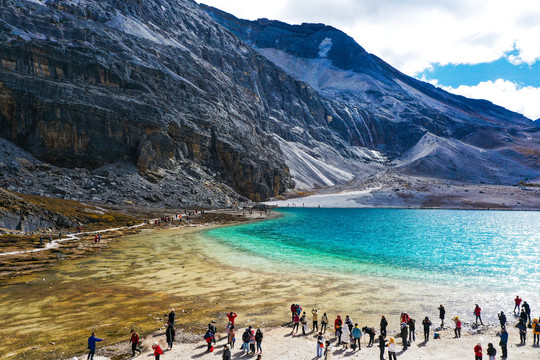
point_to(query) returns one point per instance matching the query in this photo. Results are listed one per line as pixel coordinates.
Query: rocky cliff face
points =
(156, 83)
(152, 101)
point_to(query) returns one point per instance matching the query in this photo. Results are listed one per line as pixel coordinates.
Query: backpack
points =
(537, 328)
(245, 337)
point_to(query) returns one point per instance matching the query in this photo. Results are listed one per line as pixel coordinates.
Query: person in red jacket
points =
(477, 312)
(157, 350)
(338, 323)
(134, 341)
(517, 303)
(478, 352)
(232, 316)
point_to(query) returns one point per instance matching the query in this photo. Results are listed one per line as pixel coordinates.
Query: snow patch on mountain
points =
(324, 47)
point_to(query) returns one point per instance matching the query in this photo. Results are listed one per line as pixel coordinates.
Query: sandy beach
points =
(279, 344)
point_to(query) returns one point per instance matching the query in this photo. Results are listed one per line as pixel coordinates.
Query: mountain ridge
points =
(154, 102)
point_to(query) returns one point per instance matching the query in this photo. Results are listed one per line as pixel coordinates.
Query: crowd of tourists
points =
(346, 333)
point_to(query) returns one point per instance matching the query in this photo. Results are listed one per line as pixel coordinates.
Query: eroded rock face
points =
(153, 83)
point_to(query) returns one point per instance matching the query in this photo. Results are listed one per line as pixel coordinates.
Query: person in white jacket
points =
(345, 336)
(392, 349)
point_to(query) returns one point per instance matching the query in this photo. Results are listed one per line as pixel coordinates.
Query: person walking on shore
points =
(357, 335)
(502, 320)
(478, 312)
(517, 304)
(442, 312)
(404, 334)
(382, 345)
(392, 349)
(503, 343)
(134, 341)
(384, 324)
(92, 345)
(457, 329)
(536, 332)
(157, 350)
(315, 320)
(324, 323)
(320, 344)
(478, 352)
(491, 351)
(427, 324)
(412, 330)
(522, 327)
(258, 340)
(527, 310)
(226, 353)
(169, 334)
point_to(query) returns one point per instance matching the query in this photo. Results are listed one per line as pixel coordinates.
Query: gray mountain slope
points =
(423, 129)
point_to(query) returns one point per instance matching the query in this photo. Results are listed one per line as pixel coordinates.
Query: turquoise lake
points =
(477, 249)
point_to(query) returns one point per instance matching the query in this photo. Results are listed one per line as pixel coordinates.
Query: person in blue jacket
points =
(503, 343)
(92, 345)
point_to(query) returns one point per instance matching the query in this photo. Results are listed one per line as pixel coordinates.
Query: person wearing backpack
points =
(134, 341)
(303, 321)
(208, 337)
(324, 323)
(536, 332)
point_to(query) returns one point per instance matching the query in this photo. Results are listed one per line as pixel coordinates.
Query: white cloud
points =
(521, 99)
(413, 34)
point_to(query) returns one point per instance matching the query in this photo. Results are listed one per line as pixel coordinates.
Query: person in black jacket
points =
(502, 320)
(384, 324)
(491, 351)
(226, 353)
(170, 333)
(382, 345)
(404, 334)
(527, 311)
(442, 312)
(172, 316)
(427, 325)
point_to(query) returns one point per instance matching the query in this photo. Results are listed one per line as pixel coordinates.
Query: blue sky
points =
(487, 49)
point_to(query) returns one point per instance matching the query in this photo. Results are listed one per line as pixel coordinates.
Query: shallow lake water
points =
(258, 269)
